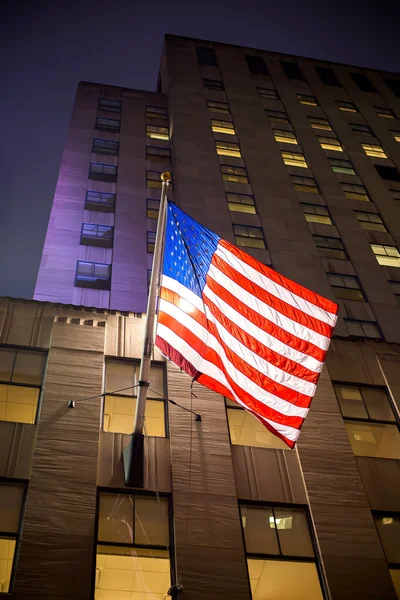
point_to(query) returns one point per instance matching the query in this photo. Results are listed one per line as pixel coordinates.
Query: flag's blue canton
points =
(189, 248)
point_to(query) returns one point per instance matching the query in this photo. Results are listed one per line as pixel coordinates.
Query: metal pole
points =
(151, 309)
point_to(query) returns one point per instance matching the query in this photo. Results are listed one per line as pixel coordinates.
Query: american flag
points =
(239, 327)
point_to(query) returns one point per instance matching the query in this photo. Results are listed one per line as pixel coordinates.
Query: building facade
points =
(298, 162)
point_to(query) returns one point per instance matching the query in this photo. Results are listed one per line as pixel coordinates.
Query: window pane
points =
(18, 404)
(11, 499)
(378, 404)
(7, 358)
(246, 430)
(351, 402)
(260, 537)
(156, 377)
(151, 521)
(283, 580)
(134, 573)
(120, 375)
(292, 528)
(29, 367)
(7, 551)
(374, 439)
(116, 518)
(389, 532)
(119, 414)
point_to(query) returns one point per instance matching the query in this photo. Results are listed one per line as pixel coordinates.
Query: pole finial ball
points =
(166, 176)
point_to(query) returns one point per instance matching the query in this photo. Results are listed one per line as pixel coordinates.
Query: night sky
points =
(46, 48)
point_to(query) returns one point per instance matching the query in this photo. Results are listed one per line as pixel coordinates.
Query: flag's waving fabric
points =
(239, 327)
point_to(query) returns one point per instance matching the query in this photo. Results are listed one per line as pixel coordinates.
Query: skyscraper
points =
(297, 161)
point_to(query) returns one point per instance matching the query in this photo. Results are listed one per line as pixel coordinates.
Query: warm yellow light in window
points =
(228, 152)
(221, 129)
(356, 196)
(294, 160)
(7, 550)
(311, 218)
(325, 126)
(285, 139)
(243, 208)
(158, 136)
(347, 109)
(119, 413)
(331, 146)
(397, 137)
(310, 189)
(18, 403)
(373, 150)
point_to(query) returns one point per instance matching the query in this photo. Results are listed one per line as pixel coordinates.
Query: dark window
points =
(157, 112)
(360, 127)
(268, 93)
(121, 390)
(346, 106)
(21, 378)
(108, 124)
(151, 241)
(278, 540)
(388, 526)
(341, 165)
(248, 237)
(330, 247)
(97, 235)
(393, 84)
(363, 329)
(234, 174)
(206, 56)
(153, 208)
(243, 203)
(388, 173)
(367, 410)
(346, 287)
(315, 213)
(327, 76)
(105, 146)
(307, 100)
(363, 82)
(355, 192)
(318, 123)
(370, 221)
(278, 116)
(101, 201)
(93, 275)
(133, 547)
(110, 105)
(256, 65)
(220, 107)
(304, 184)
(153, 180)
(292, 70)
(155, 153)
(213, 84)
(385, 113)
(102, 172)
(12, 501)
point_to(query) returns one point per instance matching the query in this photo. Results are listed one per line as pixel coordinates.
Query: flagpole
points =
(134, 454)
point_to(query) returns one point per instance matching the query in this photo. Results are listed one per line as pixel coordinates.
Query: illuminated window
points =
(316, 214)
(330, 143)
(268, 93)
(206, 56)
(21, 378)
(329, 247)
(234, 174)
(388, 173)
(363, 329)
(220, 107)
(387, 256)
(246, 430)
(388, 526)
(248, 237)
(304, 184)
(156, 112)
(280, 552)
(102, 172)
(227, 149)
(308, 100)
(355, 192)
(346, 106)
(97, 235)
(374, 150)
(222, 127)
(285, 137)
(214, 84)
(155, 154)
(100, 201)
(243, 203)
(361, 128)
(121, 389)
(327, 76)
(294, 159)
(256, 65)
(110, 105)
(364, 84)
(155, 132)
(340, 165)
(12, 500)
(292, 70)
(369, 418)
(277, 115)
(318, 123)
(151, 241)
(370, 221)
(153, 180)
(153, 208)
(108, 124)
(133, 556)
(396, 135)
(385, 113)
(93, 275)
(346, 287)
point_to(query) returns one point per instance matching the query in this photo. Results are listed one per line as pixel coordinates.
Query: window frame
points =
(253, 204)
(94, 287)
(368, 386)
(307, 99)
(386, 254)
(368, 220)
(115, 106)
(302, 164)
(262, 237)
(384, 112)
(151, 112)
(106, 127)
(244, 174)
(340, 169)
(273, 95)
(105, 206)
(322, 126)
(277, 116)
(96, 240)
(221, 126)
(157, 156)
(381, 514)
(211, 84)
(156, 130)
(362, 322)
(330, 237)
(316, 207)
(346, 106)
(344, 287)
